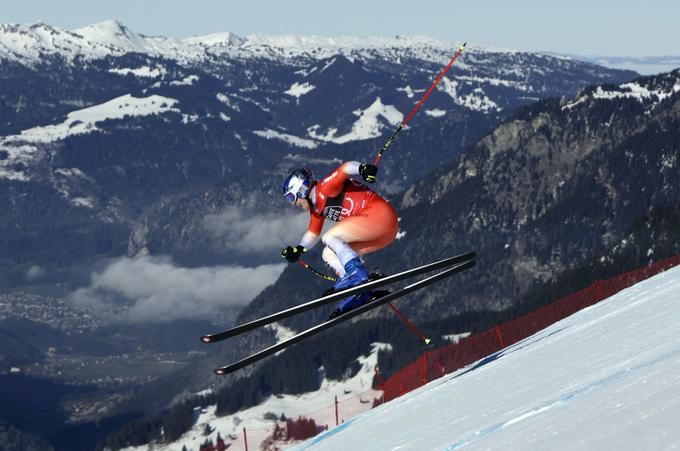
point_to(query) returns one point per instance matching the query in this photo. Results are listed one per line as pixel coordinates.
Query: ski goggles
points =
(293, 189)
(290, 197)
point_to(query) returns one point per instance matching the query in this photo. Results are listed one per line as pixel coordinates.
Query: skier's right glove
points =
(368, 172)
(291, 253)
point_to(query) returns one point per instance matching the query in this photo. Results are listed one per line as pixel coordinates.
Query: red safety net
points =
(434, 364)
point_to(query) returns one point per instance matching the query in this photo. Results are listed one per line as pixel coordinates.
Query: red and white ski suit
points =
(365, 221)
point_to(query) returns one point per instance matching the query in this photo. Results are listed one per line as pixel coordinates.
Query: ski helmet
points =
(297, 185)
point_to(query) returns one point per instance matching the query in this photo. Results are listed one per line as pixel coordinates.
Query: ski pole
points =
(409, 324)
(441, 75)
(305, 265)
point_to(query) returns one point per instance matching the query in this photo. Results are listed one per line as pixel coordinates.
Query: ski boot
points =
(352, 302)
(376, 274)
(355, 274)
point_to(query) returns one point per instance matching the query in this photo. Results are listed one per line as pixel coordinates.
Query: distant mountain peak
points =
(216, 39)
(31, 43)
(106, 28)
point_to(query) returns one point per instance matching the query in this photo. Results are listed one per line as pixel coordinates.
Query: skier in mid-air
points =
(365, 222)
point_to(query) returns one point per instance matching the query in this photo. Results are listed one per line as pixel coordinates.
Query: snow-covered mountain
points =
(164, 113)
(31, 43)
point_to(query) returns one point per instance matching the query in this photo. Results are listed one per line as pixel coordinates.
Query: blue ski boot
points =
(355, 274)
(352, 302)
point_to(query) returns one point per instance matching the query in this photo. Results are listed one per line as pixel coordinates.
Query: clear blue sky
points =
(612, 28)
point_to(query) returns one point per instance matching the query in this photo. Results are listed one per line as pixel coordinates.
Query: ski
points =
(324, 300)
(461, 266)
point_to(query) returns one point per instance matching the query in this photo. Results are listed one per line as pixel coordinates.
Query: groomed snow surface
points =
(605, 378)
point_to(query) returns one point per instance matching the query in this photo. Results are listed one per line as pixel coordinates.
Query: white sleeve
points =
(351, 167)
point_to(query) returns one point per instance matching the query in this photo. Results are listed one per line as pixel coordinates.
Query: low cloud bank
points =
(154, 288)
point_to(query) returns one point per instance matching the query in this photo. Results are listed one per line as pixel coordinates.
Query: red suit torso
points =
(336, 197)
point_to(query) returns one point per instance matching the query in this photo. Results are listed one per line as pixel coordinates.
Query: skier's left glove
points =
(291, 253)
(368, 172)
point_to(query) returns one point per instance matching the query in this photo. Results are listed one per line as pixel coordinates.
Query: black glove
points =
(368, 172)
(293, 253)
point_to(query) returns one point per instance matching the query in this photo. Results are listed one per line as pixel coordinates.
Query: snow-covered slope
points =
(21, 149)
(648, 91)
(84, 121)
(369, 124)
(604, 378)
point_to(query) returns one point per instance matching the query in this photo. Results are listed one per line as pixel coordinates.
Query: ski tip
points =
(206, 339)
(219, 371)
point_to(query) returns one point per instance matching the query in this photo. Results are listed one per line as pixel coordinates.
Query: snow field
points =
(84, 121)
(369, 125)
(22, 148)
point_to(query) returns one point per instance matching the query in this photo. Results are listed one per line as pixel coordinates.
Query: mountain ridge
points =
(112, 36)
